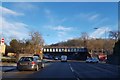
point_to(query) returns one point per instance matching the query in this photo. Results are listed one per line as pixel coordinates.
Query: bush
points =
(9, 60)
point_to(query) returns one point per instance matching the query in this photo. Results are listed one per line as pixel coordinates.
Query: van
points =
(63, 58)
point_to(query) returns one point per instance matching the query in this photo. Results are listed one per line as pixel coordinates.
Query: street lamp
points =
(95, 36)
(95, 28)
(105, 40)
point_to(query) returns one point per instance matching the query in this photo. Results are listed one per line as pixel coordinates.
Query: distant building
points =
(11, 54)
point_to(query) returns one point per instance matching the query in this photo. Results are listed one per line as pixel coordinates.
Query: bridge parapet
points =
(65, 49)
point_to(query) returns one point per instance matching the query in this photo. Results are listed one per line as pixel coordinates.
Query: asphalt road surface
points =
(68, 70)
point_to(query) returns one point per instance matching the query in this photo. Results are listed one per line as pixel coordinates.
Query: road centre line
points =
(74, 72)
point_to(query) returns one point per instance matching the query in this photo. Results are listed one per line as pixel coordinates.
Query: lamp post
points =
(96, 29)
(105, 41)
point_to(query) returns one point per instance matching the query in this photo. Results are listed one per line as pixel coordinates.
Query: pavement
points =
(8, 68)
(5, 67)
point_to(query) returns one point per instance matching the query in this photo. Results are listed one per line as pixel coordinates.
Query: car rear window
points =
(26, 59)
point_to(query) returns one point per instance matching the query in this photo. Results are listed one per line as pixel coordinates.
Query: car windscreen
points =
(26, 59)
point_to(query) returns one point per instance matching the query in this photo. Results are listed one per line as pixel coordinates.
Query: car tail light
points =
(33, 63)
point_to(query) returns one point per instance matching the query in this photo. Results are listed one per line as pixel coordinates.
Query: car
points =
(56, 58)
(92, 60)
(29, 63)
(63, 58)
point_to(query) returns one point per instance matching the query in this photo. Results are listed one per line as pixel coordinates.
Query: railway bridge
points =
(71, 52)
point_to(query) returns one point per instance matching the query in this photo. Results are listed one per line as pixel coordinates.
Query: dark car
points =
(29, 63)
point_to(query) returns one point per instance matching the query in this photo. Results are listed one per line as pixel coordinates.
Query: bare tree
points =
(84, 37)
(36, 41)
(113, 35)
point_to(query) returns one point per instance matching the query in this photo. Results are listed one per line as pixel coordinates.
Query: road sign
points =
(2, 46)
(2, 41)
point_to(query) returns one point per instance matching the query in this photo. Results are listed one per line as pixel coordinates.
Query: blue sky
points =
(58, 21)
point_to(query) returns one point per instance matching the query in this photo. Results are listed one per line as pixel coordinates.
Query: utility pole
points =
(105, 42)
(96, 29)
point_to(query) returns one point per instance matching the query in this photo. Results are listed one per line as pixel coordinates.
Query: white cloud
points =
(62, 28)
(16, 29)
(100, 32)
(49, 15)
(52, 18)
(47, 11)
(6, 11)
(63, 20)
(88, 16)
(101, 21)
(25, 6)
(93, 17)
(13, 29)
(61, 34)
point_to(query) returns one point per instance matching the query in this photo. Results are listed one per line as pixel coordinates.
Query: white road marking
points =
(78, 79)
(71, 68)
(74, 71)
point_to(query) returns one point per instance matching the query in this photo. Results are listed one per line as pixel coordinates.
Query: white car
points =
(63, 58)
(92, 60)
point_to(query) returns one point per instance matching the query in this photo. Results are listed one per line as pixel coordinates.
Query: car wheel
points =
(37, 68)
(43, 65)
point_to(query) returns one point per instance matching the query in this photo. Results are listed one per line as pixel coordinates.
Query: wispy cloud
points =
(47, 11)
(89, 16)
(100, 22)
(25, 6)
(61, 34)
(62, 28)
(93, 17)
(49, 15)
(6, 11)
(15, 29)
(53, 18)
(100, 32)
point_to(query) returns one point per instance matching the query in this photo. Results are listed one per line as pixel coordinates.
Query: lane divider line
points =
(74, 72)
(78, 79)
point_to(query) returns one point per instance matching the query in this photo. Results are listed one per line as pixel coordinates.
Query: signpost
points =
(2, 46)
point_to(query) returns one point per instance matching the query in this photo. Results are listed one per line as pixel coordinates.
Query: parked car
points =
(63, 58)
(92, 60)
(29, 63)
(56, 58)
